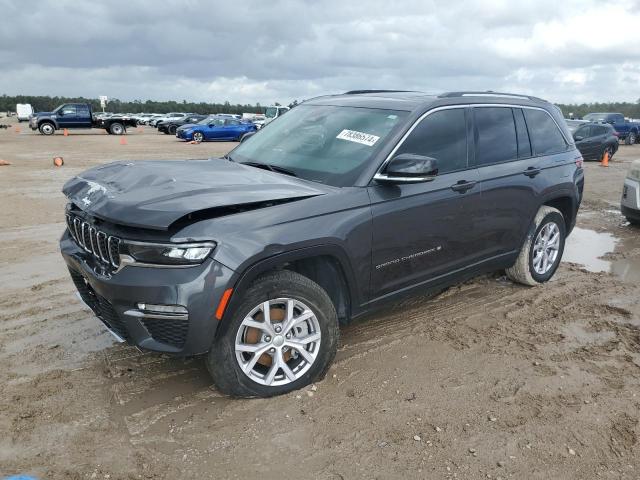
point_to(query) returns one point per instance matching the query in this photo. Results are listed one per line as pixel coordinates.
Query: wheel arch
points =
(48, 120)
(326, 265)
(567, 207)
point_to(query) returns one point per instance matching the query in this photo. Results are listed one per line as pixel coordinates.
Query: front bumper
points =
(631, 194)
(182, 135)
(114, 299)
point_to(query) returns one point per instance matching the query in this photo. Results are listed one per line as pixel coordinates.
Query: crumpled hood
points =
(155, 194)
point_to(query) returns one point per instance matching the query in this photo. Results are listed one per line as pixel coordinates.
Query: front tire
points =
(258, 355)
(172, 129)
(47, 128)
(198, 137)
(542, 250)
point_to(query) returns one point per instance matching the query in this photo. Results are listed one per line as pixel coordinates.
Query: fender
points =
(242, 280)
(48, 120)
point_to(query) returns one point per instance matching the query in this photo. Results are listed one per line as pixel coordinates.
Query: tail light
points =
(579, 162)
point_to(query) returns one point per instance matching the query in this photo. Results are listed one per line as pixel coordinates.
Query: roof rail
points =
(361, 92)
(489, 93)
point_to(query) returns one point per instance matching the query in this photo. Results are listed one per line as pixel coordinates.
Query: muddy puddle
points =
(590, 249)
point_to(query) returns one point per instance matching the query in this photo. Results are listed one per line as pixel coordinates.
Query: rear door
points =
(83, 116)
(503, 156)
(519, 153)
(424, 230)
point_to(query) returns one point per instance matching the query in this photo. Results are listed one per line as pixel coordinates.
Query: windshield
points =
(596, 117)
(206, 120)
(321, 143)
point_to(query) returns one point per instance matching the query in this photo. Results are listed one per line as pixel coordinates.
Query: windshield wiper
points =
(273, 168)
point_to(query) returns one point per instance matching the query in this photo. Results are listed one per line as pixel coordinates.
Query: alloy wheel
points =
(546, 248)
(278, 341)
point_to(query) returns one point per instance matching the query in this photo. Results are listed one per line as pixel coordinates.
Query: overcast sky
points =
(265, 51)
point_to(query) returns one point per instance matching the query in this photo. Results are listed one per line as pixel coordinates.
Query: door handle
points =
(532, 172)
(462, 186)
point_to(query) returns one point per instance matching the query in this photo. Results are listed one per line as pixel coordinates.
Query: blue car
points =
(216, 128)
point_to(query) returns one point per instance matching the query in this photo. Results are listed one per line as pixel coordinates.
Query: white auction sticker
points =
(358, 137)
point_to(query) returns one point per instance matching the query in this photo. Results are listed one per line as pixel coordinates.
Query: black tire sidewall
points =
(221, 360)
(42, 127)
(113, 127)
(556, 218)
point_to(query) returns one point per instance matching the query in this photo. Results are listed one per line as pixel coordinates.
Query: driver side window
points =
(441, 135)
(69, 110)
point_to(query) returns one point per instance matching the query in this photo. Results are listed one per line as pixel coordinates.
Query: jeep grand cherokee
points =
(345, 203)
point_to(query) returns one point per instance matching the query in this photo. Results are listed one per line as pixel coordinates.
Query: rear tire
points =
(117, 129)
(228, 358)
(538, 259)
(631, 138)
(172, 129)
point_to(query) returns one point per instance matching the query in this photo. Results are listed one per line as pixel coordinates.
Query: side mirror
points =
(60, 113)
(577, 138)
(409, 168)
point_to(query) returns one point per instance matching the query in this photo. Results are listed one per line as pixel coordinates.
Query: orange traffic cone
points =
(123, 140)
(66, 132)
(4, 162)
(58, 161)
(605, 159)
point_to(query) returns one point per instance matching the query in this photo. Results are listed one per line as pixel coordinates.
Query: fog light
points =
(168, 309)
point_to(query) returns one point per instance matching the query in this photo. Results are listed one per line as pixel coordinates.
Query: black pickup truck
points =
(76, 116)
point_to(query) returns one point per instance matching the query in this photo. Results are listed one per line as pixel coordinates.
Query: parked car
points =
(574, 124)
(170, 127)
(627, 131)
(216, 128)
(594, 139)
(169, 117)
(271, 113)
(77, 116)
(346, 203)
(24, 112)
(630, 204)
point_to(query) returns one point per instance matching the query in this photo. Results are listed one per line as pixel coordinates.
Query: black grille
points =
(104, 247)
(170, 332)
(100, 306)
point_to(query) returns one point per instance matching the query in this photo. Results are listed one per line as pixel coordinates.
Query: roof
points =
(412, 100)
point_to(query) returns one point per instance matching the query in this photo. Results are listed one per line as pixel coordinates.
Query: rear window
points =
(545, 135)
(496, 135)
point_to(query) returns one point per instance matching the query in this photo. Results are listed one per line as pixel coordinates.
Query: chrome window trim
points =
(381, 175)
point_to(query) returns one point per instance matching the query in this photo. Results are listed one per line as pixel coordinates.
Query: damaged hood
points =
(155, 194)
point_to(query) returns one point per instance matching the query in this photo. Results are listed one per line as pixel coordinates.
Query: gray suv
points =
(345, 203)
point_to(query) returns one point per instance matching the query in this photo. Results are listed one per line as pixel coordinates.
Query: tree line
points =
(46, 104)
(628, 109)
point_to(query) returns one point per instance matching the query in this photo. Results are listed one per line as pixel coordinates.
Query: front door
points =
(422, 231)
(67, 117)
(585, 142)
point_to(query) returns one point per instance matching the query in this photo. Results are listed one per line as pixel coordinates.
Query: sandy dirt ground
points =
(487, 380)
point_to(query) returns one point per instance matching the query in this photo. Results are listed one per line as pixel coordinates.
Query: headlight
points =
(168, 254)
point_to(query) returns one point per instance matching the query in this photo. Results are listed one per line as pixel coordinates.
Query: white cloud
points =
(284, 49)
